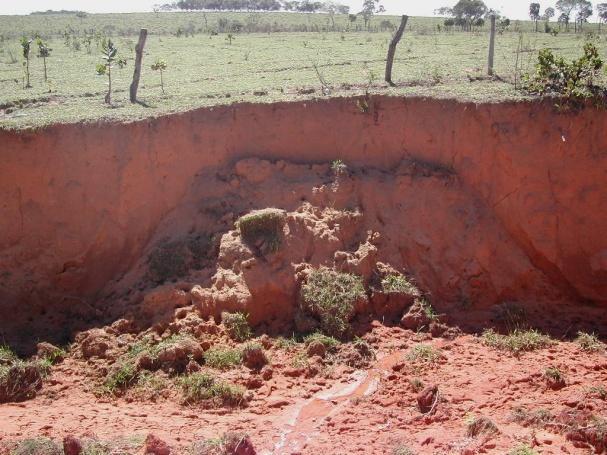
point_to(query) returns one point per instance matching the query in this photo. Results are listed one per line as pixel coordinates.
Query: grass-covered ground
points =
(205, 69)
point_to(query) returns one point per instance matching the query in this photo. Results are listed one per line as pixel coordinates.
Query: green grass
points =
(516, 342)
(223, 358)
(331, 297)
(199, 387)
(122, 377)
(205, 70)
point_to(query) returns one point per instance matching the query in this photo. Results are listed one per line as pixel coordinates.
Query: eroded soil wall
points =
(79, 203)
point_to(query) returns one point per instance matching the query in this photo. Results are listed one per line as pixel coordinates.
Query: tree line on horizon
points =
(302, 6)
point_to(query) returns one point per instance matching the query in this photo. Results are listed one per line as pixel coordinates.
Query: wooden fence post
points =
(392, 48)
(491, 46)
(143, 34)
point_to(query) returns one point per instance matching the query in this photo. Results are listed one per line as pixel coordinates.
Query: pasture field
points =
(206, 69)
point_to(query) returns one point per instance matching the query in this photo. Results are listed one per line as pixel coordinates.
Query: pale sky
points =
(514, 9)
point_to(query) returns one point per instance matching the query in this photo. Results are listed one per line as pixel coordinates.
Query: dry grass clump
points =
(37, 446)
(534, 418)
(480, 425)
(516, 342)
(21, 379)
(424, 353)
(262, 229)
(397, 284)
(589, 342)
(331, 297)
(522, 450)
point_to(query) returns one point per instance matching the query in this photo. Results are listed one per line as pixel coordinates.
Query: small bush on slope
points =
(331, 296)
(262, 229)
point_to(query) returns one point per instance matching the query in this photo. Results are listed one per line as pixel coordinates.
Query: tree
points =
(602, 12)
(26, 46)
(109, 55)
(43, 52)
(548, 14)
(160, 66)
(466, 13)
(534, 13)
(584, 12)
(566, 7)
(370, 7)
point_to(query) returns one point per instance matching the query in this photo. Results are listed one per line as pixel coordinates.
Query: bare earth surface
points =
(343, 410)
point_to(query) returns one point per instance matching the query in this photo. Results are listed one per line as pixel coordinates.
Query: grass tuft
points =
(398, 284)
(262, 229)
(516, 342)
(589, 342)
(329, 342)
(476, 426)
(202, 387)
(424, 353)
(223, 358)
(37, 446)
(522, 450)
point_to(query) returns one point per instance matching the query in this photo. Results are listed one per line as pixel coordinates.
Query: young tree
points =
(26, 46)
(548, 14)
(43, 52)
(566, 7)
(584, 12)
(466, 13)
(602, 12)
(534, 13)
(370, 7)
(160, 66)
(109, 54)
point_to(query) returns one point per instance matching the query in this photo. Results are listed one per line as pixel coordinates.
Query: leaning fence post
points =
(491, 46)
(392, 49)
(143, 34)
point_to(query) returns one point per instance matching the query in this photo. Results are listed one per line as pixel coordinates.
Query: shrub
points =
(537, 418)
(416, 384)
(589, 342)
(575, 80)
(222, 358)
(262, 229)
(229, 444)
(516, 342)
(37, 446)
(424, 353)
(555, 378)
(253, 356)
(200, 387)
(402, 450)
(168, 262)
(331, 296)
(237, 326)
(20, 380)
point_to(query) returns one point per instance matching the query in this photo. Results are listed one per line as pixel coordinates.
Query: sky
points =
(514, 9)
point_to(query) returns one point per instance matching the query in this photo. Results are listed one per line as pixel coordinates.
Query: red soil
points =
(351, 411)
(82, 203)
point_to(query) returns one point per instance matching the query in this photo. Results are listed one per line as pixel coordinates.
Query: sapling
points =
(26, 46)
(160, 65)
(109, 54)
(43, 52)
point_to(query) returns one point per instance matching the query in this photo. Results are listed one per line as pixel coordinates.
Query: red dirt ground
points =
(370, 411)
